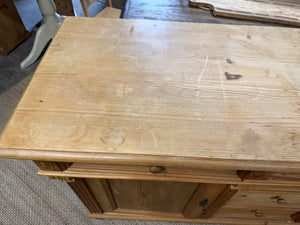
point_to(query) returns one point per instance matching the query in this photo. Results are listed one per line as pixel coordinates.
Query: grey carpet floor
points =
(26, 198)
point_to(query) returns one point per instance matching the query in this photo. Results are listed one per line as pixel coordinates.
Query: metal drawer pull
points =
(156, 169)
(203, 203)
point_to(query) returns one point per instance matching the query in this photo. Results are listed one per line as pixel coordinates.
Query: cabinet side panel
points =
(103, 194)
(82, 190)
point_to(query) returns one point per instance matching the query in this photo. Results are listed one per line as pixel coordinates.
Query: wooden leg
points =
(85, 8)
(109, 3)
(50, 24)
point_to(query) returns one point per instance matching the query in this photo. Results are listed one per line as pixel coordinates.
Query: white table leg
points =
(50, 24)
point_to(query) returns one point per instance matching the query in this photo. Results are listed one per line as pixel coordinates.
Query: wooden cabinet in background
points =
(12, 30)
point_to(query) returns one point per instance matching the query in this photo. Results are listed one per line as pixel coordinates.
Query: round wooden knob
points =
(156, 169)
(258, 213)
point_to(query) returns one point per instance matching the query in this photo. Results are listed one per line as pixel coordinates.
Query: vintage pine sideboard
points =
(167, 121)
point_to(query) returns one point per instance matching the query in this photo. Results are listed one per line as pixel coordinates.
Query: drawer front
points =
(153, 172)
(257, 203)
(276, 199)
(256, 213)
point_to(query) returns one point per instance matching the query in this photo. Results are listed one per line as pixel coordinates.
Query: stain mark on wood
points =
(250, 141)
(113, 137)
(230, 76)
(131, 30)
(293, 136)
(229, 61)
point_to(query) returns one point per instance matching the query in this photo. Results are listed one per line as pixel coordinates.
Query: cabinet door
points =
(157, 198)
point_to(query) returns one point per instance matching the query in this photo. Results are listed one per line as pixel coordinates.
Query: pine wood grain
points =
(275, 11)
(162, 89)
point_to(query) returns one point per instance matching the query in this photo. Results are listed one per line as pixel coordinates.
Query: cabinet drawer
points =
(160, 173)
(259, 203)
(147, 172)
(275, 199)
(256, 213)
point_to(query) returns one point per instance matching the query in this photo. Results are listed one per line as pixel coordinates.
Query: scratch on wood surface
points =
(154, 139)
(131, 30)
(222, 82)
(201, 75)
(142, 125)
(202, 42)
(258, 96)
(186, 75)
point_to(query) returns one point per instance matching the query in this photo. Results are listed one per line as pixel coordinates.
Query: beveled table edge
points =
(141, 159)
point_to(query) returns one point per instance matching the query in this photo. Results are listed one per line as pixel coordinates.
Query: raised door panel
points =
(170, 197)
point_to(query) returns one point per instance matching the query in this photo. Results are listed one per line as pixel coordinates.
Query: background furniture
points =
(86, 3)
(12, 30)
(64, 7)
(50, 24)
(109, 12)
(273, 11)
(180, 130)
(177, 10)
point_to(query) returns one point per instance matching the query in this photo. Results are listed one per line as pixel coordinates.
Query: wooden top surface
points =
(162, 90)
